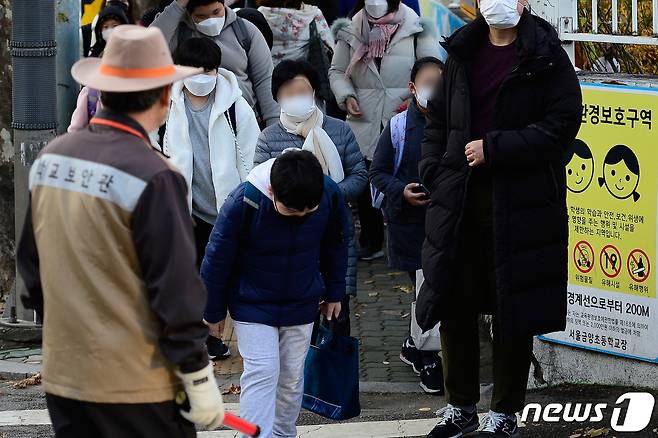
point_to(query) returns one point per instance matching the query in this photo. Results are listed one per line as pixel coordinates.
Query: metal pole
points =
(67, 30)
(34, 113)
(615, 17)
(595, 16)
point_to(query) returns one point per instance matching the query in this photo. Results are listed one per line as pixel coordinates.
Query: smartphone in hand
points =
(422, 189)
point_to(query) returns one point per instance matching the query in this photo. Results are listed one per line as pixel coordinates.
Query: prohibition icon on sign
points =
(583, 256)
(639, 266)
(610, 261)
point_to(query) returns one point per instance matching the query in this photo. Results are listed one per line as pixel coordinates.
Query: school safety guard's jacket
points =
(107, 255)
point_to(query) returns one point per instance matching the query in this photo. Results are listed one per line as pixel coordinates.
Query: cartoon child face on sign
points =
(621, 173)
(580, 166)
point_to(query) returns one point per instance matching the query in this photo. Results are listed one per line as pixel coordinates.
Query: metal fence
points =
(564, 15)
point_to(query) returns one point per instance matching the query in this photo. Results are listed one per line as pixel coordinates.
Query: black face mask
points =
(295, 220)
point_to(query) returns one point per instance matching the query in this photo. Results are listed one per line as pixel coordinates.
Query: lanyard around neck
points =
(119, 126)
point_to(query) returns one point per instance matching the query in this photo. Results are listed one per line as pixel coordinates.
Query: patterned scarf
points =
(376, 34)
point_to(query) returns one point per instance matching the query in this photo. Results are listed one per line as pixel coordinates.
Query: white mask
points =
(211, 26)
(200, 85)
(298, 108)
(376, 8)
(423, 95)
(106, 33)
(501, 14)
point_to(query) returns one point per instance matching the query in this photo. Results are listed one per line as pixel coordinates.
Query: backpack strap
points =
(233, 119)
(184, 33)
(92, 103)
(244, 38)
(241, 32)
(250, 206)
(398, 126)
(398, 138)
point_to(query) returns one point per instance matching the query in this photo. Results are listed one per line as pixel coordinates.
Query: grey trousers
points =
(273, 377)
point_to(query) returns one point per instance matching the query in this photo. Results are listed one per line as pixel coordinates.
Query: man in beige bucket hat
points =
(108, 258)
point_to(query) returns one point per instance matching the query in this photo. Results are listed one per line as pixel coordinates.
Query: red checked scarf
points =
(375, 36)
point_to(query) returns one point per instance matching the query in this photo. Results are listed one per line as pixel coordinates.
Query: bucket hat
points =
(135, 59)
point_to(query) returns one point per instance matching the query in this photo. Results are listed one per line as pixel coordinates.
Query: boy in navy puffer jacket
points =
(278, 252)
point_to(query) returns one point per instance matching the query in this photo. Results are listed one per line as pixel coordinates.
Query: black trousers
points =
(371, 220)
(77, 419)
(202, 230)
(460, 343)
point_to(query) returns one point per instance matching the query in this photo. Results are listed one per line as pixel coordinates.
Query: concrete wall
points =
(563, 364)
(6, 155)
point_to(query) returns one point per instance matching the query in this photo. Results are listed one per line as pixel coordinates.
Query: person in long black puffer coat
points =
(496, 227)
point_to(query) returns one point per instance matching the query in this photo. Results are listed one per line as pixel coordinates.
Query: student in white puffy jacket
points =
(211, 138)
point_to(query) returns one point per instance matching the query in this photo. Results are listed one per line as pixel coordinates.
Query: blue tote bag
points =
(331, 375)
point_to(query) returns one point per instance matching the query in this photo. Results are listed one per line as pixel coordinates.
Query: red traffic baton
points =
(236, 423)
(231, 421)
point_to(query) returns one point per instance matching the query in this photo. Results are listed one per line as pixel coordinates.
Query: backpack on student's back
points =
(251, 205)
(398, 137)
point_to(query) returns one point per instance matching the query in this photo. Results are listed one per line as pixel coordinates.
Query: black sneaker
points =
(367, 254)
(217, 350)
(431, 379)
(497, 425)
(455, 423)
(411, 356)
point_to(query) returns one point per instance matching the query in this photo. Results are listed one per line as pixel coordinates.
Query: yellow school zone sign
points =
(612, 201)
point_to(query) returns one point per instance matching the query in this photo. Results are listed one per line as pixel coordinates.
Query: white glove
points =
(206, 405)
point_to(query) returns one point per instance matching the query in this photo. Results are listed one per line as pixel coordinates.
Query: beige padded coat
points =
(379, 92)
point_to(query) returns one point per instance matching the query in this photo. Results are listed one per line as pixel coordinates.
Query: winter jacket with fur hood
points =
(380, 92)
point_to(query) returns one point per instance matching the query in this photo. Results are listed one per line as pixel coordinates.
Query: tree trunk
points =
(7, 266)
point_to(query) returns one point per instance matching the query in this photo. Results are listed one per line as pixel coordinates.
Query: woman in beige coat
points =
(375, 52)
